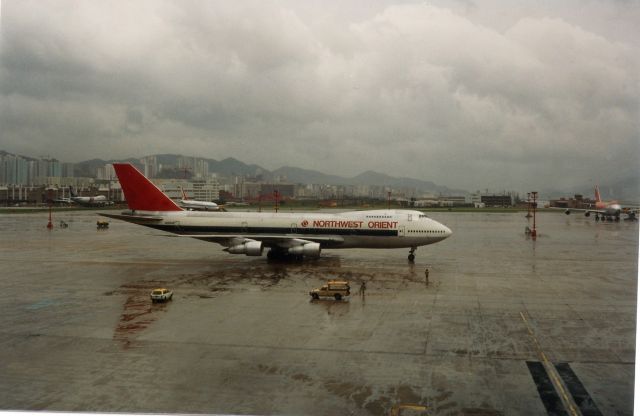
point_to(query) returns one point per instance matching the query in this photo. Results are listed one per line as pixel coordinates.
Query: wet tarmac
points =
(506, 325)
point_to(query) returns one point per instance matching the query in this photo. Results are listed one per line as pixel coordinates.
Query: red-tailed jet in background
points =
(605, 210)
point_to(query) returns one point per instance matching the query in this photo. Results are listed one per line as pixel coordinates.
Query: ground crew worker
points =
(363, 287)
(426, 276)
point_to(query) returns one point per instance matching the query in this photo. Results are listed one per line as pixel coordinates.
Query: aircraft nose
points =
(447, 231)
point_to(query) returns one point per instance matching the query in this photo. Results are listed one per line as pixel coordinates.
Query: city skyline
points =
(181, 167)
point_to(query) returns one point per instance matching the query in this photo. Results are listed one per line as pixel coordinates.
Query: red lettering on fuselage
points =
(354, 224)
(382, 224)
(337, 224)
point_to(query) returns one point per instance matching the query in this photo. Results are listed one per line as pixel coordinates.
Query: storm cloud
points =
(471, 95)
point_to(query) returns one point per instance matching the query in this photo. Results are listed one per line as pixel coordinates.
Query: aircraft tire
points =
(337, 296)
(315, 296)
(411, 258)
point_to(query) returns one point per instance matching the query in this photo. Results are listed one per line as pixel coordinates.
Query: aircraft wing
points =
(590, 210)
(136, 219)
(269, 240)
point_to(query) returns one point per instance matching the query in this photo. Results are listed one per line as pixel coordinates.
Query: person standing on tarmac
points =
(426, 276)
(363, 287)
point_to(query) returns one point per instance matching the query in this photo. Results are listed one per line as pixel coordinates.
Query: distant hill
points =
(88, 168)
(234, 167)
(298, 175)
(230, 167)
(624, 190)
(376, 178)
(226, 167)
(5, 153)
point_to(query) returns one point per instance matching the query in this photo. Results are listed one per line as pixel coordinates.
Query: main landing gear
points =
(281, 255)
(607, 218)
(412, 256)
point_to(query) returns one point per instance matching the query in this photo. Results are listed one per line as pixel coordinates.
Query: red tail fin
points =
(598, 194)
(140, 192)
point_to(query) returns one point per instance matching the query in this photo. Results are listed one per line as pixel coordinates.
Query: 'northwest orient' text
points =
(354, 224)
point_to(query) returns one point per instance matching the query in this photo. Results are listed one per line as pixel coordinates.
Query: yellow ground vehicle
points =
(161, 295)
(334, 288)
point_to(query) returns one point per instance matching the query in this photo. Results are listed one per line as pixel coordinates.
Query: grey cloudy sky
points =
(468, 94)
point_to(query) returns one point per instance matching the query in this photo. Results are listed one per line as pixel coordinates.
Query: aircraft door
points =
(294, 228)
(410, 217)
(401, 230)
(244, 227)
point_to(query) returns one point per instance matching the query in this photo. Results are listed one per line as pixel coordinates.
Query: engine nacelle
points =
(250, 248)
(309, 249)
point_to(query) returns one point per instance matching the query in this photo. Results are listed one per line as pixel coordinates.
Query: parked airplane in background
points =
(87, 201)
(285, 234)
(607, 210)
(191, 204)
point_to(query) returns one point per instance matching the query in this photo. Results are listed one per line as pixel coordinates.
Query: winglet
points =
(140, 192)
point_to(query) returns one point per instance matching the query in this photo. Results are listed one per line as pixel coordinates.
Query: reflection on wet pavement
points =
(138, 311)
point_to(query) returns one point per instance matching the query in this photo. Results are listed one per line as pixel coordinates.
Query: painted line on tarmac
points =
(567, 400)
(550, 399)
(576, 388)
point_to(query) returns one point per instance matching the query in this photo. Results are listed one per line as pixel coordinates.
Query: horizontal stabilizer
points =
(136, 219)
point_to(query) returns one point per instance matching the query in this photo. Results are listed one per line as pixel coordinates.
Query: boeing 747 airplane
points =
(285, 234)
(607, 210)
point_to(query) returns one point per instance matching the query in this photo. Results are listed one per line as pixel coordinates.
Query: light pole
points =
(50, 203)
(534, 232)
(275, 194)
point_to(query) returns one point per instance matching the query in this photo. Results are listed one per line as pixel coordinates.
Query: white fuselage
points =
(198, 205)
(90, 200)
(353, 229)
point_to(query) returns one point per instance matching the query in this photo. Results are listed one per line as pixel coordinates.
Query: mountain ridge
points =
(231, 166)
(624, 189)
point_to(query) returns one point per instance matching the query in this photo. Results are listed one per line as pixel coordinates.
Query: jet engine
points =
(309, 249)
(250, 248)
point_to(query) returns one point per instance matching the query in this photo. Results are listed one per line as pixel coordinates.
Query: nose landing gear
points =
(412, 256)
